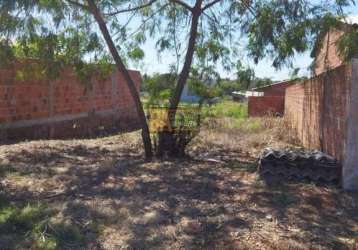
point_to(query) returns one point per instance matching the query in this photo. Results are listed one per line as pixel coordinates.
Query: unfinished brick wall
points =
(265, 105)
(317, 110)
(65, 107)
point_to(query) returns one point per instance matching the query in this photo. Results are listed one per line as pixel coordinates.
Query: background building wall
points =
(265, 105)
(327, 56)
(272, 101)
(65, 107)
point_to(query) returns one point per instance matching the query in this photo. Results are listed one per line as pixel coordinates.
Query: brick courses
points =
(64, 107)
(317, 110)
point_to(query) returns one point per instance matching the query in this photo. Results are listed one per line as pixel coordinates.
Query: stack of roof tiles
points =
(312, 166)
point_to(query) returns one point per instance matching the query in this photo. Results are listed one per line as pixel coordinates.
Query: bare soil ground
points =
(101, 194)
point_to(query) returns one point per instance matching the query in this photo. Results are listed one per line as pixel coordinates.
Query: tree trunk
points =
(173, 140)
(122, 68)
(184, 74)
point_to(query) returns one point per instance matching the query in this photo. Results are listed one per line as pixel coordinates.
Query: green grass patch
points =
(30, 227)
(227, 109)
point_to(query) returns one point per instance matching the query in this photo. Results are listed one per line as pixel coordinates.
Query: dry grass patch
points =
(103, 195)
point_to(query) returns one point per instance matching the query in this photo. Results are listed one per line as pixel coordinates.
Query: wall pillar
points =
(51, 106)
(350, 165)
(115, 80)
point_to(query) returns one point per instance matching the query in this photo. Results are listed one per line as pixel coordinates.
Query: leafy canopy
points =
(63, 32)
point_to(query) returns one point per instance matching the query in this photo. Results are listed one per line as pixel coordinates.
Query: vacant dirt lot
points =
(101, 194)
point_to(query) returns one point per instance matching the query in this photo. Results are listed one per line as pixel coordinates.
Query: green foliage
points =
(244, 76)
(203, 90)
(59, 33)
(6, 53)
(348, 44)
(260, 82)
(203, 82)
(56, 34)
(228, 86)
(281, 29)
(159, 87)
(136, 53)
(245, 80)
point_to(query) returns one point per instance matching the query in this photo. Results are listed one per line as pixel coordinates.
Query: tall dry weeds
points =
(250, 135)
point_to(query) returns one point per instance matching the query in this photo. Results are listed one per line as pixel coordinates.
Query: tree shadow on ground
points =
(181, 203)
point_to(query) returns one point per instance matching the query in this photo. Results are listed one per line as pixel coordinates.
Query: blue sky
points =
(152, 63)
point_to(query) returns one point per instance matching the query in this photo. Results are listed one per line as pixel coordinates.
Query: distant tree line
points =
(159, 87)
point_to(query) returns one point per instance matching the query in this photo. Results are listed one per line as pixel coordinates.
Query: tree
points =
(159, 87)
(245, 76)
(204, 31)
(204, 83)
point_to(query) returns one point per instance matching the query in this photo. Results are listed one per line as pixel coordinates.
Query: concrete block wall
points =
(65, 107)
(322, 112)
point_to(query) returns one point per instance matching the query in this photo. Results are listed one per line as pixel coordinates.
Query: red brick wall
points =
(40, 108)
(266, 105)
(273, 101)
(317, 110)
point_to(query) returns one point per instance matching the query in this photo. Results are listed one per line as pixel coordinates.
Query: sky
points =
(262, 69)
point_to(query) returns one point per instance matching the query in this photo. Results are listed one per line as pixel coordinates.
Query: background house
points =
(272, 100)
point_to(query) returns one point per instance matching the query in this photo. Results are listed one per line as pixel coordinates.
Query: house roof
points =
(247, 93)
(272, 85)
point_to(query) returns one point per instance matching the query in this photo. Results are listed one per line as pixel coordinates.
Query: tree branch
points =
(143, 22)
(249, 7)
(209, 5)
(73, 2)
(131, 9)
(185, 5)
